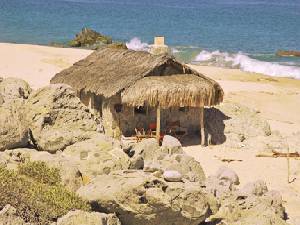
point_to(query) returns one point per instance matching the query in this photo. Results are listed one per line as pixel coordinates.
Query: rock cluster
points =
(288, 53)
(142, 184)
(140, 198)
(90, 39)
(251, 204)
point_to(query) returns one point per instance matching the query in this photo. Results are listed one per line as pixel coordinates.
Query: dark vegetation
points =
(37, 194)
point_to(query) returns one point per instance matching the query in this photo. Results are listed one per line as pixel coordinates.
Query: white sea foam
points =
(245, 63)
(137, 45)
(175, 50)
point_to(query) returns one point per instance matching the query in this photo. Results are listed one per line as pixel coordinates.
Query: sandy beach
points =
(277, 100)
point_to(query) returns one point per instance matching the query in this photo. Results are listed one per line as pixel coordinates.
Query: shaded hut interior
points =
(119, 86)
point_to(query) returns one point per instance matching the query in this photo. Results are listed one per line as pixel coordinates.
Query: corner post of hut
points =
(158, 123)
(202, 131)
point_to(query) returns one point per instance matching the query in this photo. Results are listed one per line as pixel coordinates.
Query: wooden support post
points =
(202, 132)
(158, 123)
(92, 102)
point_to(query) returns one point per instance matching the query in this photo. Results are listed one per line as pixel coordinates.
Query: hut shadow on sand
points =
(214, 129)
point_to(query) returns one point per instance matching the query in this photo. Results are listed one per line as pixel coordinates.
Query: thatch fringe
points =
(175, 90)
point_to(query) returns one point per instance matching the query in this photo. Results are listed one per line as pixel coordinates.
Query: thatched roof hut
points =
(110, 71)
(141, 78)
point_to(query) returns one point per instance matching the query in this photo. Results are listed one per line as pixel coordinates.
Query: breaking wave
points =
(137, 45)
(246, 63)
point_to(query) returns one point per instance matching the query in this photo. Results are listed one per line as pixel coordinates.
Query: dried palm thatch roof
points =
(109, 71)
(142, 78)
(174, 90)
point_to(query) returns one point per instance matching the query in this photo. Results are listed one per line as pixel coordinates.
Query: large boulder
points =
(79, 217)
(98, 155)
(171, 144)
(8, 216)
(57, 118)
(138, 198)
(90, 39)
(14, 88)
(13, 133)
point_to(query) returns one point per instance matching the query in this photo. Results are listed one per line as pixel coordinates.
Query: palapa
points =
(141, 78)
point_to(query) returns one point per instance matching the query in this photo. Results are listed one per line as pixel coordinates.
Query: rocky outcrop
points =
(57, 118)
(13, 133)
(288, 53)
(8, 216)
(139, 198)
(98, 155)
(87, 218)
(251, 204)
(148, 155)
(90, 39)
(14, 88)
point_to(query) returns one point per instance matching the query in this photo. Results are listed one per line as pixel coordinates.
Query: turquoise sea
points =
(231, 33)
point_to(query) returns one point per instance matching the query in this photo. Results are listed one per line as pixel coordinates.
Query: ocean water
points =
(241, 34)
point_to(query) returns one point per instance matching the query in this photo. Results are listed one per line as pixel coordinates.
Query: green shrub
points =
(39, 171)
(35, 201)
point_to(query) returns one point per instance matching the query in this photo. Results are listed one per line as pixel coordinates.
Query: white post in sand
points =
(202, 132)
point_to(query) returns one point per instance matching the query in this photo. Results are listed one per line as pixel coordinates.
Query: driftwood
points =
(228, 160)
(275, 154)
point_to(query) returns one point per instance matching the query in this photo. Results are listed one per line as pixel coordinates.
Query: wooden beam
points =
(202, 132)
(158, 123)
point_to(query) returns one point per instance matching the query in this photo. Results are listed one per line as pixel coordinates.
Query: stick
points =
(288, 163)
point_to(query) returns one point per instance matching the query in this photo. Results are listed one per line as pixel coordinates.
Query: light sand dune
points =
(278, 100)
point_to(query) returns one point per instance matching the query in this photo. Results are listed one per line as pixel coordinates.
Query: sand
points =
(36, 64)
(278, 100)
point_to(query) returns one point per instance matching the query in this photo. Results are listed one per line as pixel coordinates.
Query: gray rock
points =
(8, 216)
(57, 118)
(14, 88)
(217, 187)
(97, 156)
(171, 145)
(227, 174)
(257, 188)
(88, 218)
(13, 134)
(172, 176)
(152, 167)
(147, 148)
(190, 169)
(138, 198)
